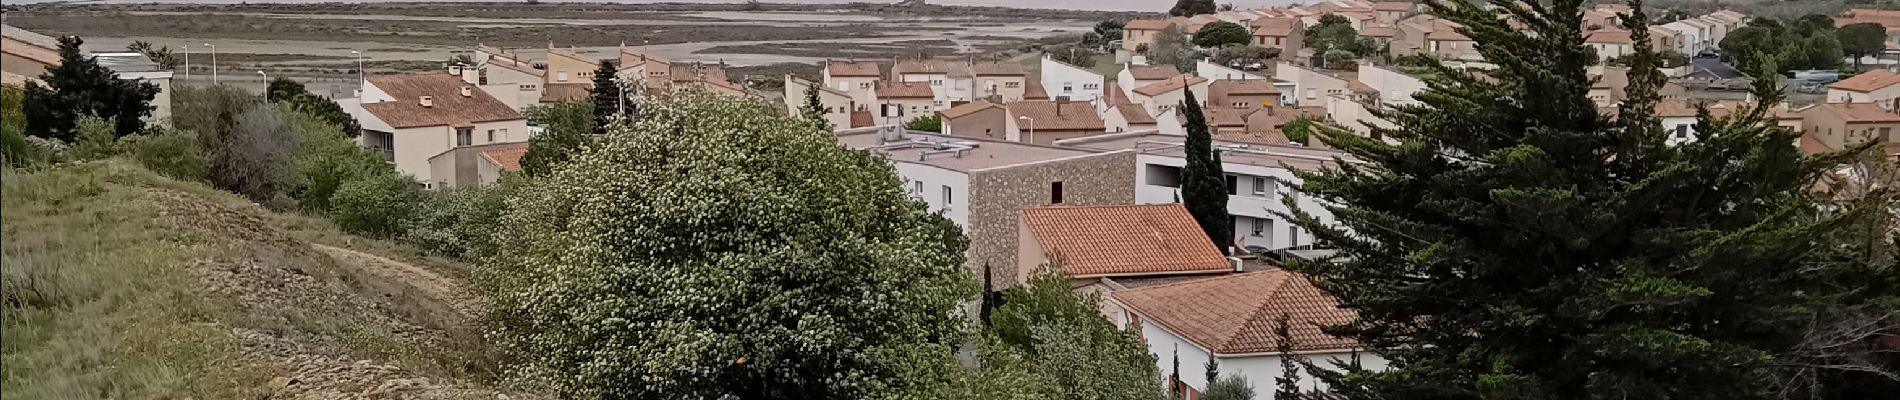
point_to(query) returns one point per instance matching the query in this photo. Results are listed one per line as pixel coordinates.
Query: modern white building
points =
(1395, 88)
(1066, 82)
(1310, 87)
(137, 67)
(1258, 182)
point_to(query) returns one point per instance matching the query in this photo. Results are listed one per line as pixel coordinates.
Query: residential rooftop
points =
(1238, 152)
(956, 153)
(1236, 314)
(1089, 241)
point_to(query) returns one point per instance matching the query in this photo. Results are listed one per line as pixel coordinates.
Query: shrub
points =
(170, 152)
(247, 142)
(325, 158)
(375, 205)
(459, 221)
(94, 139)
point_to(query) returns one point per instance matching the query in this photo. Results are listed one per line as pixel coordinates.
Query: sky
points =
(1113, 5)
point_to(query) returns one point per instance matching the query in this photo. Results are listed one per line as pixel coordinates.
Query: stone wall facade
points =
(998, 196)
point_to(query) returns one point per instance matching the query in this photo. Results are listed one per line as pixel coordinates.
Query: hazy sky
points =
(1120, 5)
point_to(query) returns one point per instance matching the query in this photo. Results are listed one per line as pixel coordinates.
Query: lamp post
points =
(360, 79)
(214, 63)
(187, 47)
(1032, 128)
(266, 76)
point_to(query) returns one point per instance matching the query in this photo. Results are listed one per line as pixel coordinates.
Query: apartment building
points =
(857, 78)
(1428, 34)
(979, 118)
(983, 185)
(412, 118)
(901, 102)
(1259, 177)
(1285, 34)
(1610, 43)
(1061, 81)
(1310, 86)
(1839, 125)
(506, 76)
(837, 104)
(1138, 35)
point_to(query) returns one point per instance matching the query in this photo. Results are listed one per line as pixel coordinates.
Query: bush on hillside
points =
(375, 205)
(1053, 329)
(658, 258)
(459, 221)
(325, 158)
(94, 139)
(170, 152)
(247, 142)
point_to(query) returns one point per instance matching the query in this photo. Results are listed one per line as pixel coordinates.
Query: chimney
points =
(468, 92)
(426, 101)
(455, 70)
(1059, 107)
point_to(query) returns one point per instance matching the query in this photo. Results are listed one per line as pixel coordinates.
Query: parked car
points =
(1708, 54)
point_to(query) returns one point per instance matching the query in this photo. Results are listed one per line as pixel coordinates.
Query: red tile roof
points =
(854, 69)
(965, 109)
(507, 157)
(1609, 36)
(1867, 81)
(921, 67)
(1152, 72)
(1260, 137)
(1134, 114)
(1058, 116)
(904, 90)
(860, 119)
(1147, 25)
(1172, 84)
(1360, 87)
(1121, 240)
(996, 69)
(1392, 6)
(1379, 31)
(1237, 314)
(1035, 91)
(450, 108)
(1860, 112)
(1225, 117)
(1243, 86)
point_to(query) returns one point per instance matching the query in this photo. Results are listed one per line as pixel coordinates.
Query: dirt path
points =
(450, 291)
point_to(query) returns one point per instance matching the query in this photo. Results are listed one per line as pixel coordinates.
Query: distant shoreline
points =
(1011, 11)
(1149, 6)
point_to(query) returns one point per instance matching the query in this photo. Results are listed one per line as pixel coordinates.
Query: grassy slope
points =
(124, 284)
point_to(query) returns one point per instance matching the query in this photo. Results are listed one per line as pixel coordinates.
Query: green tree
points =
(460, 221)
(564, 131)
(1055, 329)
(610, 98)
(1334, 32)
(927, 123)
(647, 260)
(17, 150)
(1861, 40)
(814, 110)
(170, 152)
(80, 87)
(325, 158)
(247, 142)
(1171, 47)
(162, 55)
(1108, 31)
(1244, 56)
(1516, 244)
(1753, 46)
(1818, 52)
(1080, 56)
(1813, 24)
(1203, 183)
(282, 90)
(375, 205)
(1189, 8)
(1234, 387)
(1287, 385)
(1219, 34)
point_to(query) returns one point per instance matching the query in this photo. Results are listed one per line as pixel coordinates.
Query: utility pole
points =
(214, 63)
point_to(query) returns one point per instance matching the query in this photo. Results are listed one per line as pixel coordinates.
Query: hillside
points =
(124, 284)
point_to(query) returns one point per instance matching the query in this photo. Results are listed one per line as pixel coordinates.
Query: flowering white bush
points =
(720, 248)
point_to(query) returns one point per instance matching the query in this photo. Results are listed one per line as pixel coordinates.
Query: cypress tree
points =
(1203, 183)
(814, 109)
(1517, 244)
(1287, 386)
(607, 97)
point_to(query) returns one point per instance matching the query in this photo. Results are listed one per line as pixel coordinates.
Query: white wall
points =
(1687, 126)
(1213, 71)
(1246, 206)
(933, 179)
(1394, 88)
(1352, 115)
(1309, 85)
(1065, 80)
(1883, 97)
(1259, 370)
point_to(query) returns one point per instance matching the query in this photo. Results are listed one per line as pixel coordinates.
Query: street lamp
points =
(214, 63)
(360, 80)
(266, 76)
(1032, 128)
(187, 47)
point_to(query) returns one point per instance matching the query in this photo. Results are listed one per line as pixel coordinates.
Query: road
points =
(1713, 68)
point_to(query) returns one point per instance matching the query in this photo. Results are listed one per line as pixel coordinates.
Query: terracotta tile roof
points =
(1172, 84)
(507, 157)
(821, 88)
(1278, 116)
(509, 63)
(1254, 136)
(1152, 72)
(1811, 146)
(1224, 117)
(860, 119)
(1236, 314)
(1265, 22)
(1147, 24)
(1360, 87)
(1275, 31)
(567, 92)
(853, 69)
(1379, 31)
(1867, 81)
(450, 108)
(1392, 6)
(1447, 34)
(904, 90)
(693, 72)
(1112, 94)
(1058, 116)
(1134, 114)
(1860, 112)
(1035, 91)
(1243, 86)
(965, 109)
(12, 79)
(996, 69)
(920, 67)
(29, 37)
(1094, 241)
(28, 51)
(1609, 36)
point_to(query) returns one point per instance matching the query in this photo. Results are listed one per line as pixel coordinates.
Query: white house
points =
(1069, 82)
(1878, 86)
(1163, 96)
(1258, 179)
(1394, 87)
(412, 118)
(857, 78)
(1694, 37)
(1310, 87)
(1231, 320)
(1135, 76)
(137, 67)
(837, 103)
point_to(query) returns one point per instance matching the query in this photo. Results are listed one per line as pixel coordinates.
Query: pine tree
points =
(609, 96)
(1517, 244)
(80, 87)
(1174, 377)
(814, 109)
(1189, 8)
(1287, 386)
(1203, 183)
(1213, 370)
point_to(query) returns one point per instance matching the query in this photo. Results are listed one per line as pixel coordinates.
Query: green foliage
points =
(927, 123)
(1189, 8)
(1244, 56)
(1203, 184)
(1335, 32)
(1300, 129)
(1287, 385)
(1108, 31)
(375, 205)
(325, 158)
(1080, 56)
(1797, 45)
(1517, 244)
(1235, 387)
(14, 146)
(1060, 337)
(1862, 39)
(460, 221)
(610, 98)
(292, 94)
(814, 110)
(247, 142)
(162, 55)
(81, 87)
(658, 258)
(283, 89)
(170, 152)
(1222, 33)
(564, 131)
(95, 139)
(1171, 47)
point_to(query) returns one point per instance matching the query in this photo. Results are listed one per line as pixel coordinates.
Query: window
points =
(1240, 104)
(1055, 192)
(1887, 134)
(864, 85)
(561, 76)
(1292, 236)
(1233, 185)
(1012, 85)
(1259, 226)
(946, 196)
(463, 136)
(1260, 186)
(936, 82)
(1682, 130)
(917, 187)
(1068, 87)
(1091, 86)
(491, 135)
